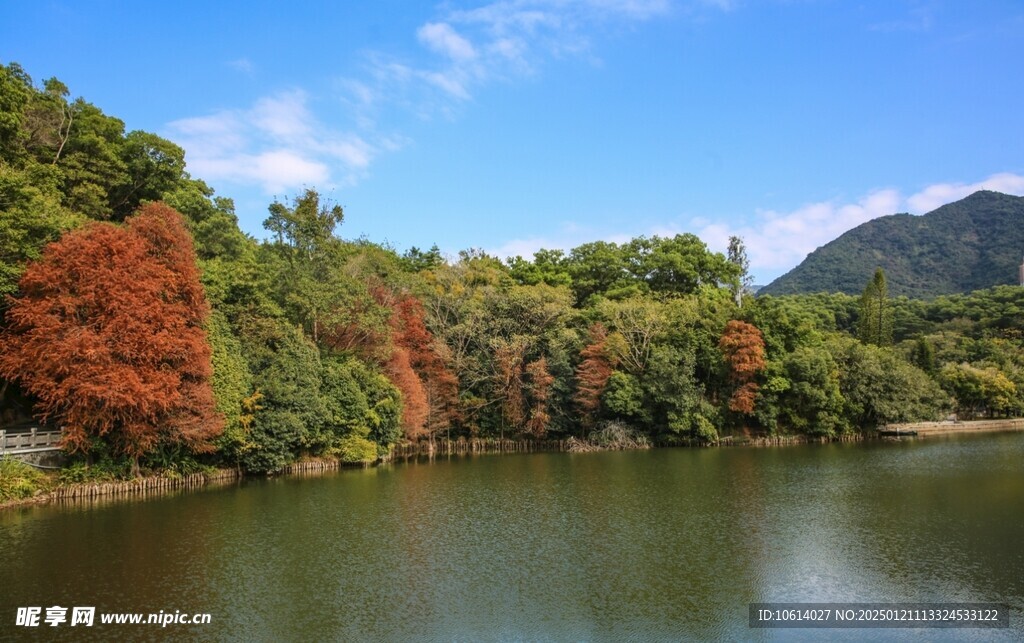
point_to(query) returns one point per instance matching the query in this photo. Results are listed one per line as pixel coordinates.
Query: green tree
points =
(923, 355)
(415, 260)
(810, 401)
(286, 371)
(742, 282)
(232, 386)
(361, 418)
(679, 264)
(30, 217)
(878, 387)
(876, 320)
(15, 93)
(311, 284)
(623, 398)
(980, 389)
(153, 167)
(598, 268)
(550, 267)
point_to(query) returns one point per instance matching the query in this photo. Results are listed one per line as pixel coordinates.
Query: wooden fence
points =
(475, 446)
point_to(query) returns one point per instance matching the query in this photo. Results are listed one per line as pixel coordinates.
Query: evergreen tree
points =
(875, 323)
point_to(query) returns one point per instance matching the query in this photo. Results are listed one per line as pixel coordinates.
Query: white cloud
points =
(499, 40)
(777, 241)
(276, 170)
(210, 135)
(780, 240)
(277, 143)
(935, 195)
(450, 81)
(350, 149)
(283, 116)
(570, 236)
(440, 37)
(524, 247)
(288, 168)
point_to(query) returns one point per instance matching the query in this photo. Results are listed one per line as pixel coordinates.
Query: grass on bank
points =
(19, 480)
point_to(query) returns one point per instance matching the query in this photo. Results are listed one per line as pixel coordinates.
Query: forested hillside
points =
(975, 243)
(140, 318)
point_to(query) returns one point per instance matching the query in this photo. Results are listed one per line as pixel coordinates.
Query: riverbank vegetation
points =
(19, 481)
(143, 320)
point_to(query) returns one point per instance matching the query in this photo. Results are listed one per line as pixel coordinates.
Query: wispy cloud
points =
(499, 40)
(243, 65)
(442, 38)
(778, 240)
(569, 237)
(939, 194)
(277, 144)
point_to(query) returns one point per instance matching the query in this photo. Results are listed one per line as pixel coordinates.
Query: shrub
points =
(19, 480)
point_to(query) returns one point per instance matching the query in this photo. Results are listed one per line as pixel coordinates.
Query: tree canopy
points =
(107, 334)
(322, 346)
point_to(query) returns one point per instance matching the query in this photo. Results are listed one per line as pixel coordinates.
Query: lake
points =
(667, 544)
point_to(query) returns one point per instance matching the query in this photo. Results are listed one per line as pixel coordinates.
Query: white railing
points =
(28, 441)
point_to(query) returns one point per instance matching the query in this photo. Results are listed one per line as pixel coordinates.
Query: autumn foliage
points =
(592, 374)
(414, 398)
(108, 336)
(508, 362)
(540, 385)
(439, 384)
(743, 348)
(430, 391)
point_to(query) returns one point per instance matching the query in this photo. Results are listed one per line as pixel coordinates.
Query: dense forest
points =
(141, 319)
(969, 245)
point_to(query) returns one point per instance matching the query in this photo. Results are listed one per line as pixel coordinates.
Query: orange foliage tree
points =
(540, 385)
(108, 336)
(508, 364)
(592, 374)
(439, 384)
(414, 399)
(743, 347)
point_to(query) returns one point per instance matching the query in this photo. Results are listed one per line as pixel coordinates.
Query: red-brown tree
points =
(592, 374)
(440, 385)
(508, 364)
(414, 398)
(108, 336)
(540, 391)
(743, 347)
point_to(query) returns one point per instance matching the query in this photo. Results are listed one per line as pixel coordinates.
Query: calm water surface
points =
(668, 544)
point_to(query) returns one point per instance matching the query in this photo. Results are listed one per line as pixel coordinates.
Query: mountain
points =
(974, 243)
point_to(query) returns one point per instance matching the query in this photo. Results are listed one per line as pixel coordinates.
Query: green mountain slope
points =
(974, 243)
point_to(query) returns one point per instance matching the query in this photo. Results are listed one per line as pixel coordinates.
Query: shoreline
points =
(925, 429)
(161, 485)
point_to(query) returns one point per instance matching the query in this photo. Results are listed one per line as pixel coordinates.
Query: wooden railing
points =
(29, 441)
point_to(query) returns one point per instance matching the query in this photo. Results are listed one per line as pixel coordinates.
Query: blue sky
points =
(520, 124)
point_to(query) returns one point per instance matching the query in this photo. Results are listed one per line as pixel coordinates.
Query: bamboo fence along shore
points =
(156, 485)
